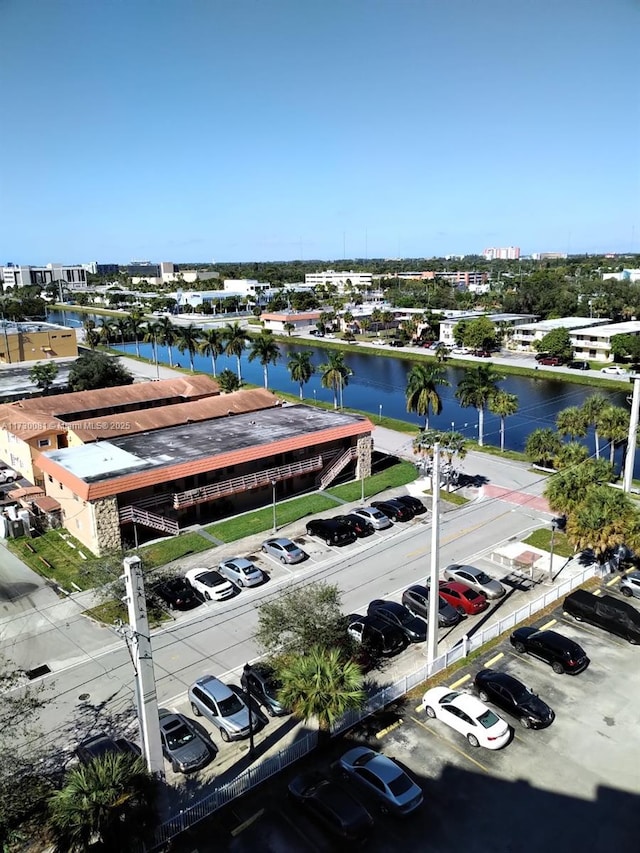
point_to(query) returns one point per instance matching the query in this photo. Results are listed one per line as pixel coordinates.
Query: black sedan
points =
(414, 629)
(333, 806)
(416, 600)
(101, 744)
(394, 509)
(414, 504)
(358, 525)
(512, 696)
(176, 593)
(333, 532)
(563, 654)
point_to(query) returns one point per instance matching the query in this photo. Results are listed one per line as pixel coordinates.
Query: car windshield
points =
(488, 719)
(449, 697)
(180, 736)
(400, 785)
(377, 514)
(364, 759)
(247, 570)
(290, 547)
(230, 706)
(483, 578)
(211, 579)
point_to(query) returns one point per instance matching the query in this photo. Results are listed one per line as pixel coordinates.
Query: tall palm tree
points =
(504, 405)
(600, 522)
(335, 375)
(106, 331)
(121, 325)
(567, 490)
(235, 343)
(92, 338)
(300, 368)
(321, 684)
(211, 345)
(572, 422)
(266, 350)
(111, 799)
(593, 407)
(570, 455)
(228, 381)
(475, 389)
(422, 390)
(542, 447)
(187, 340)
(167, 336)
(136, 324)
(150, 335)
(613, 424)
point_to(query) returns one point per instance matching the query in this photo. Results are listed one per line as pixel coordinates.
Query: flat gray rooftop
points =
(174, 445)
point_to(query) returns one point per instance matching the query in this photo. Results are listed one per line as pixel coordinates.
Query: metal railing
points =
(273, 764)
(148, 519)
(336, 467)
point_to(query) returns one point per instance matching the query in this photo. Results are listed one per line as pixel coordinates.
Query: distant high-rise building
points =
(506, 253)
(73, 275)
(548, 256)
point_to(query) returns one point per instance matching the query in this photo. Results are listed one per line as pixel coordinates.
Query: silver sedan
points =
(476, 579)
(241, 572)
(284, 550)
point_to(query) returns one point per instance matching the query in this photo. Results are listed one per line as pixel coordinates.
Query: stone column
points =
(106, 525)
(363, 459)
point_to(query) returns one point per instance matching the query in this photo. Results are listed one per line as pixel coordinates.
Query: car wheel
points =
(196, 711)
(240, 583)
(473, 740)
(557, 667)
(525, 722)
(430, 712)
(175, 767)
(484, 696)
(224, 734)
(263, 549)
(626, 591)
(633, 641)
(461, 610)
(207, 597)
(283, 560)
(519, 647)
(578, 618)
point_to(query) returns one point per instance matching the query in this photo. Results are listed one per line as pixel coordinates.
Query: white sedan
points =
(210, 584)
(618, 371)
(467, 715)
(241, 572)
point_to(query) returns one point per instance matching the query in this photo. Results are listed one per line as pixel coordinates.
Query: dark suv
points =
(395, 614)
(394, 509)
(606, 612)
(376, 635)
(333, 532)
(560, 652)
(358, 525)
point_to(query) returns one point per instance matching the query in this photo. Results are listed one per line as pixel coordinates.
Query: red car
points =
(463, 598)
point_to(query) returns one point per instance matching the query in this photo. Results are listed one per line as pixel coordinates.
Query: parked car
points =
(382, 778)
(396, 614)
(260, 681)
(215, 701)
(465, 600)
(476, 579)
(630, 584)
(463, 712)
(357, 524)
(241, 572)
(376, 635)
(482, 353)
(396, 343)
(512, 696)
(617, 617)
(101, 744)
(416, 600)
(579, 365)
(8, 476)
(541, 355)
(176, 593)
(394, 510)
(210, 584)
(182, 745)
(414, 504)
(550, 360)
(332, 806)
(560, 652)
(377, 519)
(284, 550)
(333, 532)
(614, 369)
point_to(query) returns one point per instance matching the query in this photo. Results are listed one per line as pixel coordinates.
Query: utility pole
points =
(432, 622)
(142, 657)
(633, 432)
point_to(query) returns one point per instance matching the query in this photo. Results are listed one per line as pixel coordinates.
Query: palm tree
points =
(235, 339)
(570, 455)
(542, 447)
(266, 350)
(228, 381)
(92, 338)
(613, 424)
(476, 388)
(300, 368)
(187, 340)
(111, 800)
(167, 336)
(151, 334)
(136, 324)
(211, 345)
(288, 328)
(321, 684)
(453, 444)
(106, 331)
(600, 522)
(421, 392)
(335, 375)
(122, 328)
(592, 407)
(572, 422)
(503, 404)
(423, 444)
(567, 490)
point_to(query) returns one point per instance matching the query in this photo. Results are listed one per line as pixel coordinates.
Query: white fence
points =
(273, 764)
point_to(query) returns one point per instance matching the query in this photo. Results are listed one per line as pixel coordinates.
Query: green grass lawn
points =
(172, 549)
(51, 556)
(453, 497)
(542, 539)
(262, 519)
(396, 475)
(110, 611)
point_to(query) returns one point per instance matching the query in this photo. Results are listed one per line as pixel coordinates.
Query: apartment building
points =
(16, 275)
(341, 280)
(35, 342)
(505, 253)
(594, 342)
(525, 336)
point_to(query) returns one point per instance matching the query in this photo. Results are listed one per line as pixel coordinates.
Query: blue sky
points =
(193, 130)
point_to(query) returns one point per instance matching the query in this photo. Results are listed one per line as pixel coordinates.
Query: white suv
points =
(630, 585)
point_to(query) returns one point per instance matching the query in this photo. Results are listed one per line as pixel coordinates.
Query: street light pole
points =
(553, 531)
(273, 486)
(432, 621)
(247, 673)
(633, 431)
(380, 413)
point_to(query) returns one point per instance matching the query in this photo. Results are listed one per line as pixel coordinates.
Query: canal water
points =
(378, 387)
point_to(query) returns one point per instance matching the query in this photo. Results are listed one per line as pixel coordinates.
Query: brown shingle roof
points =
(28, 424)
(47, 504)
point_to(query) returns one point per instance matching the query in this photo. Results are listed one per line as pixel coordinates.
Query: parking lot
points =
(572, 786)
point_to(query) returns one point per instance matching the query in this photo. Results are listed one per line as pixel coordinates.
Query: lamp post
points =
(247, 680)
(553, 531)
(315, 399)
(273, 486)
(380, 413)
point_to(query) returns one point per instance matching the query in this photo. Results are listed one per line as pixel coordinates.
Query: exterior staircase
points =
(135, 515)
(337, 465)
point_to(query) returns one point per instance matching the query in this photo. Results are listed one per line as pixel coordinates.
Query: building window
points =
(44, 442)
(50, 478)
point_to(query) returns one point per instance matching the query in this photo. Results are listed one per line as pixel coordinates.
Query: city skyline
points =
(273, 132)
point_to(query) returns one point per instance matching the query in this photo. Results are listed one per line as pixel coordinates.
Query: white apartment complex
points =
(506, 253)
(594, 342)
(360, 280)
(507, 322)
(527, 334)
(20, 276)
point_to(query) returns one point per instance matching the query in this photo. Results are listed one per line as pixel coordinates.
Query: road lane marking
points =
(390, 728)
(419, 708)
(457, 749)
(459, 681)
(547, 625)
(611, 582)
(597, 592)
(524, 658)
(494, 659)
